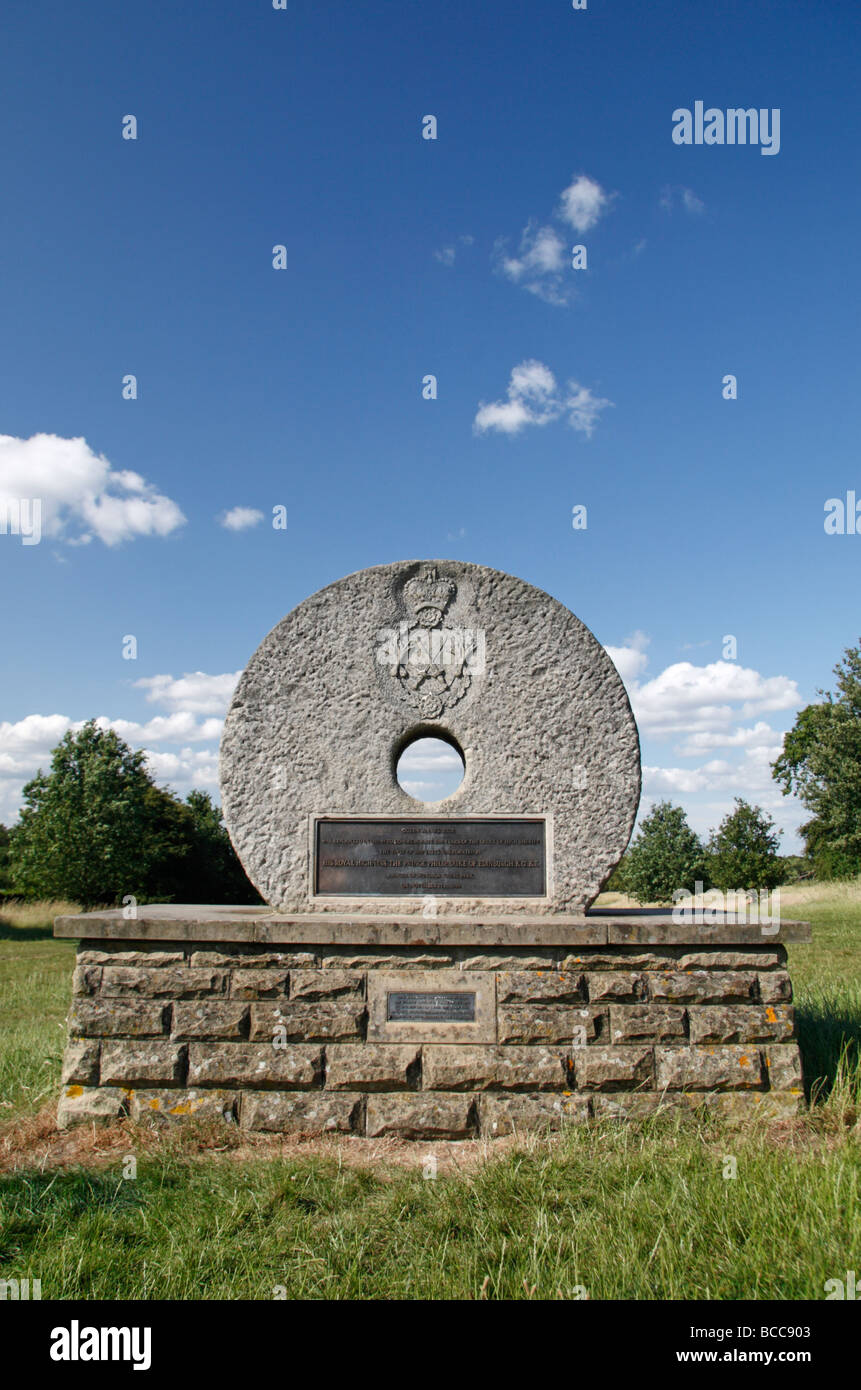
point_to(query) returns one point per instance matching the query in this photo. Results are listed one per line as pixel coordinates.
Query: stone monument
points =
(427, 970)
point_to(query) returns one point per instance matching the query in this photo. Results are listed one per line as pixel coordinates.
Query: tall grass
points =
(635, 1210)
(617, 1211)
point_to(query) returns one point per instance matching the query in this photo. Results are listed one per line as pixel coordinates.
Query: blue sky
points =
(302, 387)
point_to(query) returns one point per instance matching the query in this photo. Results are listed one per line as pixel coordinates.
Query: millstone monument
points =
(427, 970)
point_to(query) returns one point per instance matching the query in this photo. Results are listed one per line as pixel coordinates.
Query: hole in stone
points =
(430, 769)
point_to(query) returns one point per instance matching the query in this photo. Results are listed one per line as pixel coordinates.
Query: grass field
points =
(638, 1210)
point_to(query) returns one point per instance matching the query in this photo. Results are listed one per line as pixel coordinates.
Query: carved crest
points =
(432, 665)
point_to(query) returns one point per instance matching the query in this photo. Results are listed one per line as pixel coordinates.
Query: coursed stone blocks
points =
(312, 1021)
(142, 1063)
(510, 1114)
(358, 1067)
(254, 1065)
(467, 1068)
(302, 1042)
(113, 1018)
(608, 1068)
(422, 1116)
(707, 1068)
(285, 1112)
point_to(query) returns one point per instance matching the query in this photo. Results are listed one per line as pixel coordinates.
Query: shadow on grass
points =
(830, 1041)
(9, 932)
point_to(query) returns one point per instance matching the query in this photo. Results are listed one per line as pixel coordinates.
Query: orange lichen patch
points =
(182, 1107)
(154, 1103)
(74, 1090)
(770, 1014)
(744, 1060)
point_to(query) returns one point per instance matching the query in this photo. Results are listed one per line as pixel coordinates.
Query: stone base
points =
(282, 1024)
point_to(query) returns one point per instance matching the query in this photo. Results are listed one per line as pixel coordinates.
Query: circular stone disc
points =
(440, 649)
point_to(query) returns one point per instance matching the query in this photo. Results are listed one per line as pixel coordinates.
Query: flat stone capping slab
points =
(265, 926)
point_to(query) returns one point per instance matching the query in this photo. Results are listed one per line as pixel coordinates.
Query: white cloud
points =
(692, 699)
(631, 659)
(240, 518)
(195, 691)
(534, 399)
(448, 254)
(705, 705)
(539, 264)
(684, 197)
(760, 735)
(583, 203)
(169, 728)
(27, 745)
(78, 489)
(430, 761)
(186, 769)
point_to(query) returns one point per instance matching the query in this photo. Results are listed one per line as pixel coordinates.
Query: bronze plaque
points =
(414, 1006)
(450, 858)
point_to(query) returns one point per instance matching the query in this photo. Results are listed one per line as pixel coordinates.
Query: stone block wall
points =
(296, 1039)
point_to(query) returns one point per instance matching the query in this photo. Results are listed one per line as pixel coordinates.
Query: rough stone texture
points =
(703, 986)
(775, 988)
(315, 691)
(606, 1068)
(509, 1114)
(177, 1104)
(736, 1023)
(213, 1019)
(254, 960)
(528, 986)
(422, 1116)
(286, 1113)
(115, 953)
(142, 1063)
(177, 982)
(88, 1105)
(247, 1064)
(446, 1068)
(259, 984)
(615, 984)
(549, 1056)
(647, 1022)
(573, 1024)
(357, 1067)
(95, 1018)
(707, 1068)
(306, 1022)
(783, 1066)
(81, 1062)
(326, 984)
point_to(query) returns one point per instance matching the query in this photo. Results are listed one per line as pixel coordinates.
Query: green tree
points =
(667, 855)
(821, 764)
(97, 828)
(743, 851)
(5, 881)
(83, 828)
(214, 873)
